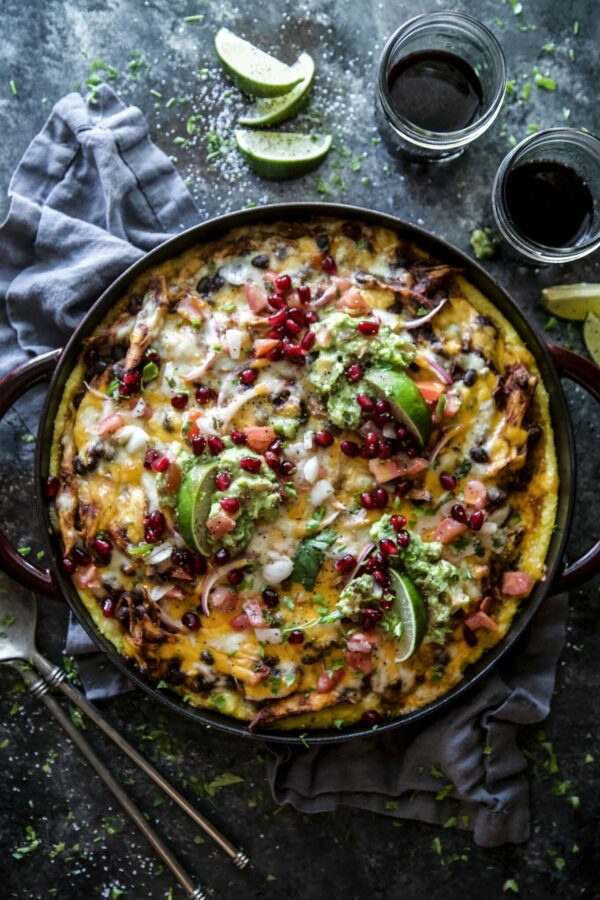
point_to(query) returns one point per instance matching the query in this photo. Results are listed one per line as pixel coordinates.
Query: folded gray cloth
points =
(90, 196)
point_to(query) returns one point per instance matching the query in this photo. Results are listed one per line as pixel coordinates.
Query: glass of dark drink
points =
(441, 83)
(546, 194)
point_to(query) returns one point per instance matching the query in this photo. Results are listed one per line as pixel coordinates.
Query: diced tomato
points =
(475, 493)
(341, 283)
(175, 593)
(448, 530)
(480, 619)
(430, 390)
(270, 276)
(362, 641)
(109, 424)
(452, 405)
(388, 469)
(416, 466)
(254, 610)
(353, 302)
(220, 524)
(328, 680)
(360, 662)
(88, 577)
(262, 346)
(516, 584)
(259, 437)
(223, 599)
(256, 296)
(240, 623)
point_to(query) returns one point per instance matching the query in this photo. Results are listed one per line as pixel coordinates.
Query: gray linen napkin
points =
(90, 196)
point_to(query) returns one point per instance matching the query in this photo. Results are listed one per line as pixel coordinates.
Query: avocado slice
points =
(404, 398)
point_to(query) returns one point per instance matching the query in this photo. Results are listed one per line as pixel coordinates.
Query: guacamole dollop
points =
(437, 579)
(357, 594)
(258, 496)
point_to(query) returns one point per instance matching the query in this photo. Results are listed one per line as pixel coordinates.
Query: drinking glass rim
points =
(528, 247)
(436, 140)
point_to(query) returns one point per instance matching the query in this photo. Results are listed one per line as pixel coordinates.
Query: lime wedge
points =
(410, 608)
(591, 336)
(279, 154)
(254, 71)
(572, 301)
(405, 399)
(272, 110)
(193, 505)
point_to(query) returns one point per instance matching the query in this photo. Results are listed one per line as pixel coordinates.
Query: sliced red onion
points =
(364, 553)
(445, 438)
(200, 371)
(331, 293)
(159, 591)
(227, 414)
(217, 574)
(435, 366)
(416, 323)
(228, 381)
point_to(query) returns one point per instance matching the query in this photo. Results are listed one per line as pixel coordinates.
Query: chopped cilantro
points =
(543, 81)
(310, 556)
(221, 781)
(510, 885)
(463, 468)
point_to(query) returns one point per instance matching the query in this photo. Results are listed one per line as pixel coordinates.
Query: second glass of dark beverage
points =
(441, 83)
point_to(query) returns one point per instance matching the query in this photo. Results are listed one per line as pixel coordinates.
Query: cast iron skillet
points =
(554, 363)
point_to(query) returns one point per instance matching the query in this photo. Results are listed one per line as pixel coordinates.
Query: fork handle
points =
(56, 677)
(40, 690)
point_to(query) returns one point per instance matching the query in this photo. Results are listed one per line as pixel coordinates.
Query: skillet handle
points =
(12, 387)
(587, 375)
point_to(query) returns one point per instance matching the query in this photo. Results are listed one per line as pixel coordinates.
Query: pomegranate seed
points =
(385, 449)
(328, 265)
(380, 497)
(412, 451)
(51, 487)
(275, 354)
(80, 557)
(215, 444)
(352, 230)
(371, 445)
(388, 547)
(191, 621)
(381, 419)
(398, 522)
(102, 546)
(382, 406)
(287, 467)
(108, 607)
(304, 294)
(248, 376)
(349, 448)
(310, 317)
(366, 403)
(370, 565)
(179, 401)
(236, 576)
(381, 578)
(458, 513)
(183, 559)
(402, 488)
(156, 521)
(251, 464)
(354, 373)
(222, 556)
(278, 318)
(276, 446)
(230, 505)
(276, 302)
(297, 315)
(368, 328)
(381, 561)
(371, 616)
(276, 333)
(386, 601)
(199, 564)
(272, 460)
(324, 438)
(367, 501)
(371, 717)
(198, 445)
(308, 340)
(161, 464)
(283, 284)
(222, 481)
(203, 395)
(448, 481)
(296, 637)
(238, 437)
(132, 379)
(476, 520)
(150, 536)
(151, 455)
(294, 354)
(402, 433)
(292, 327)
(152, 355)
(346, 563)
(403, 538)
(68, 565)
(271, 597)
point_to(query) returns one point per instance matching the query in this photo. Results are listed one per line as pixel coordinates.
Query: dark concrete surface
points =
(86, 847)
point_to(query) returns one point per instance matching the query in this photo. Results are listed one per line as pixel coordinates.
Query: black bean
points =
(470, 377)
(322, 242)
(478, 454)
(207, 657)
(261, 261)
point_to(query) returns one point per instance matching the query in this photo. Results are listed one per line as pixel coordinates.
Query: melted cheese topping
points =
(106, 488)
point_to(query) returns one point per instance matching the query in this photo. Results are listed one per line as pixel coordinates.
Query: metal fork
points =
(17, 646)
